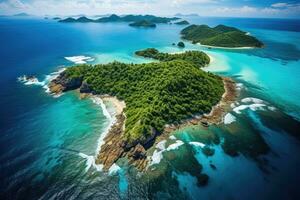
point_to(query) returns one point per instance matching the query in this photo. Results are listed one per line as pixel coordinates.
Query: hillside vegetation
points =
(198, 58)
(155, 93)
(221, 36)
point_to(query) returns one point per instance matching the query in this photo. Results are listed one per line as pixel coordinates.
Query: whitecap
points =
(197, 144)
(252, 100)
(34, 81)
(80, 59)
(254, 107)
(172, 137)
(239, 86)
(156, 157)
(161, 145)
(272, 108)
(229, 118)
(174, 146)
(90, 161)
(113, 169)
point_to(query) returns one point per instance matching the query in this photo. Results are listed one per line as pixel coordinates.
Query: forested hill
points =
(155, 93)
(197, 58)
(220, 36)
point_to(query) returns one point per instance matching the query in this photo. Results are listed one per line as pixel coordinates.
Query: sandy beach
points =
(118, 104)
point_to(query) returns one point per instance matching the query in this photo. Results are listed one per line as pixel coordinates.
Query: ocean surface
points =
(48, 143)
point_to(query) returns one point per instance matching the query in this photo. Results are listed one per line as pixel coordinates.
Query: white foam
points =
(239, 86)
(158, 153)
(99, 101)
(161, 145)
(252, 100)
(229, 118)
(197, 144)
(172, 137)
(80, 59)
(174, 146)
(272, 108)
(156, 157)
(254, 107)
(114, 169)
(90, 161)
(30, 80)
(34, 81)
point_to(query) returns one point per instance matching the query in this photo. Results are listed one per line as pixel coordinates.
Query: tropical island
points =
(115, 18)
(143, 23)
(157, 95)
(184, 22)
(220, 36)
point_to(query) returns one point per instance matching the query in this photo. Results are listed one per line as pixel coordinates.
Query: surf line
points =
(91, 160)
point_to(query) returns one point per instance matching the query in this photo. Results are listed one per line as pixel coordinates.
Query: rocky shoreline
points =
(116, 147)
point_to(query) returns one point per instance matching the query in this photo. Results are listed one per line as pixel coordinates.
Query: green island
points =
(220, 36)
(143, 23)
(116, 18)
(184, 22)
(155, 94)
(181, 44)
(197, 58)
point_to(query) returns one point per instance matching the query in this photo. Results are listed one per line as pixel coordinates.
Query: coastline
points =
(229, 48)
(112, 145)
(217, 112)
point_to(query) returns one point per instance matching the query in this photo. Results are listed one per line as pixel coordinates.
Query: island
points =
(143, 23)
(126, 18)
(184, 22)
(220, 36)
(158, 96)
(181, 44)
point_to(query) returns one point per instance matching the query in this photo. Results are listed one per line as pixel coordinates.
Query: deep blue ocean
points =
(42, 137)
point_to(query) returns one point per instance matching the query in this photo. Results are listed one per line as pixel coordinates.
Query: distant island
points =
(156, 94)
(126, 18)
(184, 22)
(181, 44)
(143, 23)
(22, 15)
(220, 36)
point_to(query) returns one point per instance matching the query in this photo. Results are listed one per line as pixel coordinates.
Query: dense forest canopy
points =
(155, 93)
(197, 58)
(221, 36)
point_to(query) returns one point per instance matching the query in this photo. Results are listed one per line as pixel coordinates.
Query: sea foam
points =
(229, 118)
(114, 169)
(251, 103)
(197, 144)
(34, 81)
(80, 59)
(158, 153)
(90, 161)
(175, 146)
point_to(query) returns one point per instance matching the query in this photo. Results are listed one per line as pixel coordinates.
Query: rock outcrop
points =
(63, 83)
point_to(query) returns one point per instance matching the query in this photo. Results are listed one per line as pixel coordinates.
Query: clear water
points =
(42, 136)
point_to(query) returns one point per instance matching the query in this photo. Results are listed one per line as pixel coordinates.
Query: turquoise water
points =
(256, 156)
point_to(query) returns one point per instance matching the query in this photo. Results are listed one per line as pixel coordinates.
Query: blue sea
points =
(48, 143)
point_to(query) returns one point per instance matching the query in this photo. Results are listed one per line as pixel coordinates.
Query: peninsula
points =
(220, 36)
(156, 94)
